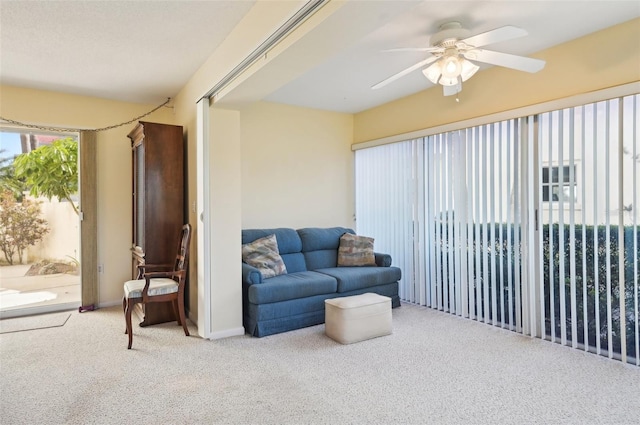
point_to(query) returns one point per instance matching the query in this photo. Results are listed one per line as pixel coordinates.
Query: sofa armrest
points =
(382, 260)
(250, 275)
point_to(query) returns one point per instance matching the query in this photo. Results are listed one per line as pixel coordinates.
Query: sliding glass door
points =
(39, 221)
(528, 224)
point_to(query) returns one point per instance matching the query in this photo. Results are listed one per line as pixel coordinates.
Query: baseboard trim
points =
(226, 333)
(110, 304)
(193, 320)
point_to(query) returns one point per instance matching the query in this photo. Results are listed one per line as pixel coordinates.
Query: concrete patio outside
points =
(20, 294)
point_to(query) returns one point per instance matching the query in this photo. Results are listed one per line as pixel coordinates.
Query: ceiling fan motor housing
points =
(448, 35)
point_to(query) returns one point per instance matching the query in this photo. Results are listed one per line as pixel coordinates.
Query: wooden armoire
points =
(158, 169)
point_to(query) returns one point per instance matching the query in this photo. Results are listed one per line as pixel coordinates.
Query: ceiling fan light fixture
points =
(451, 66)
(448, 70)
(433, 72)
(468, 69)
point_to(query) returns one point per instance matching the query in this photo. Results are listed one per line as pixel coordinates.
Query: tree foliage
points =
(51, 170)
(8, 179)
(599, 283)
(20, 225)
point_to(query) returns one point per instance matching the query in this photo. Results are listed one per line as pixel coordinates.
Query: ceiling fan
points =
(452, 51)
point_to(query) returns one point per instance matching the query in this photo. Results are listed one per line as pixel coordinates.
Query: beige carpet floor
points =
(433, 369)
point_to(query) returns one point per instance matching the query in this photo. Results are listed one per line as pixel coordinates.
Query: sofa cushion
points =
(292, 286)
(314, 238)
(263, 255)
(321, 259)
(355, 250)
(295, 262)
(320, 246)
(288, 239)
(352, 278)
(289, 246)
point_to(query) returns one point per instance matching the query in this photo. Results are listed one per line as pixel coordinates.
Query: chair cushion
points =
(159, 286)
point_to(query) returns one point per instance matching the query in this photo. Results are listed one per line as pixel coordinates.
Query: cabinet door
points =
(138, 196)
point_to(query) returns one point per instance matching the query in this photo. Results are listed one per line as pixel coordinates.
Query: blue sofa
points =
(296, 299)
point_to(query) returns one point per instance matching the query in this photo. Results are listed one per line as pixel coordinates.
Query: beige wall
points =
(62, 241)
(297, 167)
(604, 59)
(113, 166)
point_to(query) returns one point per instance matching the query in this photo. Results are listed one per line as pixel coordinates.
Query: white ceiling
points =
(136, 51)
(145, 51)
(343, 82)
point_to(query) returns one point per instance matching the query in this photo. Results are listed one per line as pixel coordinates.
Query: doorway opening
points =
(40, 222)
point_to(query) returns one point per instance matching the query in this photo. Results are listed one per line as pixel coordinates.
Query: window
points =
(557, 184)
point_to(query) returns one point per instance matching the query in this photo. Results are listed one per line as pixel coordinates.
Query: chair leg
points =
(181, 312)
(124, 310)
(128, 319)
(176, 312)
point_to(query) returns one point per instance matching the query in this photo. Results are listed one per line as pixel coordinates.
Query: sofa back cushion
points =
(320, 246)
(289, 246)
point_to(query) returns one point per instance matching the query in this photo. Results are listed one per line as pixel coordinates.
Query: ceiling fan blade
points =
(404, 72)
(497, 35)
(415, 49)
(521, 63)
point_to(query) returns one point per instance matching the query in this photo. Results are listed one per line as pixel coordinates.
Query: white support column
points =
(203, 227)
(225, 222)
(219, 208)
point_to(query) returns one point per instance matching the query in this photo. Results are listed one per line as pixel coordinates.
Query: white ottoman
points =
(357, 318)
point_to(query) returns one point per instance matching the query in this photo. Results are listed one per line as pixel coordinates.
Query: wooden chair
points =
(159, 283)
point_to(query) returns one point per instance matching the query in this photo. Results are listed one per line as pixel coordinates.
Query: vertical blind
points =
(589, 236)
(528, 224)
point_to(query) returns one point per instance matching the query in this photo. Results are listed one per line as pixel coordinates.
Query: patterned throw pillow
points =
(355, 250)
(263, 254)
